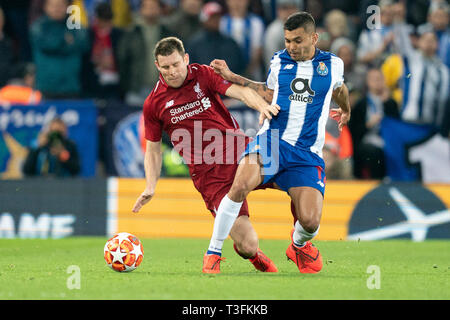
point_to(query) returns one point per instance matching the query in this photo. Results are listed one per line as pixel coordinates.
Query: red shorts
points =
(214, 184)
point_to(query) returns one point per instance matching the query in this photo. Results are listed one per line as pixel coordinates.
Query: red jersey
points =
(199, 125)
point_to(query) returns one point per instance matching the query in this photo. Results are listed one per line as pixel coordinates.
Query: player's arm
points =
(252, 99)
(221, 67)
(341, 98)
(152, 165)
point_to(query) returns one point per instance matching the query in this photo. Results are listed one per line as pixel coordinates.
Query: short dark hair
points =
(166, 46)
(300, 20)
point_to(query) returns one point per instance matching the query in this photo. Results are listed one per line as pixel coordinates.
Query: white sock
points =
(301, 235)
(225, 216)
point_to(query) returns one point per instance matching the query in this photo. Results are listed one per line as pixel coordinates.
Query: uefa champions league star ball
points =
(123, 252)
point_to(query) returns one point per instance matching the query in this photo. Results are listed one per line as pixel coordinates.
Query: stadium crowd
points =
(396, 56)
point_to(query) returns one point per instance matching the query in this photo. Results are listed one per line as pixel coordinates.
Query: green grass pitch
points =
(171, 270)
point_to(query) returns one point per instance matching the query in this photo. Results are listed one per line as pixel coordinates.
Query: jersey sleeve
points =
(152, 125)
(338, 72)
(271, 80)
(216, 82)
(273, 72)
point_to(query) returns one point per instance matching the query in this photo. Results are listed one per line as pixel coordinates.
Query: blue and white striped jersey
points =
(248, 32)
(425, 83)
(303, 90)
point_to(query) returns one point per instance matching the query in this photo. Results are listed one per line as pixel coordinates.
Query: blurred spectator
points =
(269, 10)
(274, 35)
(105, 38)
(417, 11)
(122, 11)
(256, 7)
(376, 43)
(337, 24)
(20, 90)
(138, 73)
(134, 5)
(185, 21)
(323, 43)
(57, 52)
(56, 155)
(168, 7)
(209, 43)
(16, 16)
(438, 19)
(120, 8)
(35, 11)
(354, 72)
(392, 69)
(315, 8)
(6, 53)
(337, 151)
(247, 29)
(348, 6)
(425, 78)
(364, 126)
(392, 66)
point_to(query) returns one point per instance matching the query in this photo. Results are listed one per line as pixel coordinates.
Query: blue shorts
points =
(286, 165)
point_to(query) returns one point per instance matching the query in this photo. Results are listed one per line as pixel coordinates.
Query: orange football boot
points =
(211, 263)
(260, 261)
(307, 258)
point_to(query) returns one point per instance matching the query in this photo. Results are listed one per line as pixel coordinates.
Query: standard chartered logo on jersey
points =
(189, 109)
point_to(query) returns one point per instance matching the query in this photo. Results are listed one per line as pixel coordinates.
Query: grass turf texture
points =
(171, 270)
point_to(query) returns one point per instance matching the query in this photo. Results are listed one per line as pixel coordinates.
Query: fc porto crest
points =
(322, 69)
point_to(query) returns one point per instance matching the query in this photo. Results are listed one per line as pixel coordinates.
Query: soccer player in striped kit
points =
(287, 150)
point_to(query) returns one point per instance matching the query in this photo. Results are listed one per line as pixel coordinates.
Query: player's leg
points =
(308, 203)
(248, 176)
(244, 237)
(246, 245)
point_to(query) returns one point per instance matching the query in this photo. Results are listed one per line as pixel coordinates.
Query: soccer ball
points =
(123, 252)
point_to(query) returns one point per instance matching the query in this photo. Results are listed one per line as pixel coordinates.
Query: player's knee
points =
(239, 191)
(311, 224)
(247, 248)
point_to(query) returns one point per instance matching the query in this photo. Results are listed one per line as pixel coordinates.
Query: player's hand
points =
(220, 67)
(143, 199)
(268, 112)
(342, 117)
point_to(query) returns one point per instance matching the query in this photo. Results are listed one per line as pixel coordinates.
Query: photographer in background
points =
(55, 155)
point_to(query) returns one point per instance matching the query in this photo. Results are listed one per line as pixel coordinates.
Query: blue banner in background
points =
(399, 137)
(121, 150)
(20, 126)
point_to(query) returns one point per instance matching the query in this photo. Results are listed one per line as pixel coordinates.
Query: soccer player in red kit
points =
(186, 104)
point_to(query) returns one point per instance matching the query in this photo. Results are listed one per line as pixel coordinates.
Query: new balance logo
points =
(169, 104)
(288, 66)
